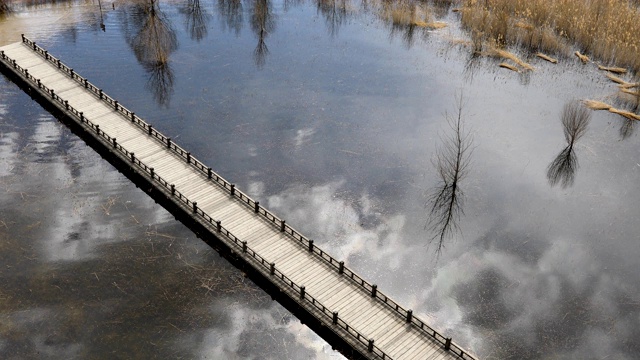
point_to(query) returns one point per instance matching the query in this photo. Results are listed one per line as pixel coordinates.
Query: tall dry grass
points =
(607, 30)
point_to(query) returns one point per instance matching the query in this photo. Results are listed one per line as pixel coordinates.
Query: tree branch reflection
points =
(196, 19)
(575, 121)
(231, 12)
(262, 23)
(334, 13)
(452, 162)
(152, 38)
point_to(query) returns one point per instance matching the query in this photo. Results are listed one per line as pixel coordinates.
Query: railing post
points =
(447, 344)
(370, 347)
(150, 129)
(133, 117)
(133, 158)
(173, 192)
(2, 53)
(46, 55)
(341, 267)
(302, 291)
(374, 290)
(152, 172)
(115, 104)
(188, 157)
(169, 142)
(335, 317)
(98, 129)
(244, 246)
(39, 84)
(233, 189)
(86, 83)
(34, 45)
(58, 61)
(100, 93)
(281, 225)
(71, 73)
(66, 104)
(272, 268)
(409, 315)
(195, 207)
(218, 226)
(115, 144)
(22, 37)
(15, 64)
(26, 73)
(52, 94)
(256, 206)
(81, 116)
(310, 245)
(209, 173)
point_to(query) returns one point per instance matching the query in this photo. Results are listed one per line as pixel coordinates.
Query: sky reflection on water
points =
(330, 116)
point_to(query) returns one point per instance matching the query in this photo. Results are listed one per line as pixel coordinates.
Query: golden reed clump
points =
(606, 30)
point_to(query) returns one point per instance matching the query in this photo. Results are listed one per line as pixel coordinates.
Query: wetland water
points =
(332, 118)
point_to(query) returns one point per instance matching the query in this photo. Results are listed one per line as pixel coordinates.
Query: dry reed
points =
(627, 114)
(618, 80)
(508, 66)
(496, 52)
(583, 58)
(596, 105)
(547, 58)
(613, 69)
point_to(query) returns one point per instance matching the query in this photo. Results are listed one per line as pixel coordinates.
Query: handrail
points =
(447, 343)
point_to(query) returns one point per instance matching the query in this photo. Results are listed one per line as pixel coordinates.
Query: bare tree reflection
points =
(575, 121)
(626, 129)
(231, 12)
(152, 38)
(196, 19)
(5, 7)
(334, 13)
(452, 162)
(262, 23)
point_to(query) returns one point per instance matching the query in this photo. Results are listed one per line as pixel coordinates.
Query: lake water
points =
(332, 117)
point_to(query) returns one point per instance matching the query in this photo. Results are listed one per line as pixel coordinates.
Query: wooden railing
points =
(216, 225)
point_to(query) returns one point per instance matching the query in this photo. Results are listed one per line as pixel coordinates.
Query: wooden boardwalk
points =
(373, 324)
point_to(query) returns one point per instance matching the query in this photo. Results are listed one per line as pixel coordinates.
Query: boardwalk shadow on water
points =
(152, 38)
(575, 121)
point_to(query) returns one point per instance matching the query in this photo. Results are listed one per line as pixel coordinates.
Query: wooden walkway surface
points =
(375, 325)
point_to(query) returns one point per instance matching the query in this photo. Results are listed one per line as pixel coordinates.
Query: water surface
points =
(330, 116)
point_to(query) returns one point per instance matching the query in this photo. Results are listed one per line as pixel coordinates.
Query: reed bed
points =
(606, 30)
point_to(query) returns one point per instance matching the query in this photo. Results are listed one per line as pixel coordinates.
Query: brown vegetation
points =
(613, 69)
(582, 57)
(547, 58)
(606, 30)
(500, 53)
(508, 66)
